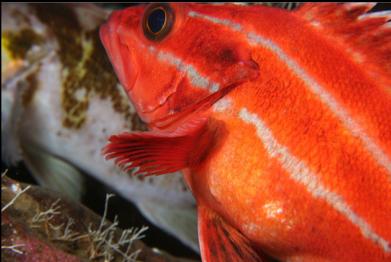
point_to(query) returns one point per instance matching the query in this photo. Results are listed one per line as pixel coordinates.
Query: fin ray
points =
(158, 152)
(221, 242)
(367, 34)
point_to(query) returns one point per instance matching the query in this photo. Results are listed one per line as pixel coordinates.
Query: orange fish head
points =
(168, 59)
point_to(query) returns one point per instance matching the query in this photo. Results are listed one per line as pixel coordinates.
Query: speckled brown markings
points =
(86, 70)
(19, 43)
(17, 46)
(20, 17)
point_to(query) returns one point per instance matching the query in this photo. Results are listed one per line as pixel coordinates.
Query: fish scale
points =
(290, 156)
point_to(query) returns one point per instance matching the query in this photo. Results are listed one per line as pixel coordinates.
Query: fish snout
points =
(118, 51)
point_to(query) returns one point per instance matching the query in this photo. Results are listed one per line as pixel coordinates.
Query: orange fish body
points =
(281, 121)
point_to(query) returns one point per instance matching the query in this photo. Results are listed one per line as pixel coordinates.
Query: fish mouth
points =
(199, 107)
(153, 115)
(118, 52)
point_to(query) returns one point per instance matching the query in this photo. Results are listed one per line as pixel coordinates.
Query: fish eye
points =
(157, 22)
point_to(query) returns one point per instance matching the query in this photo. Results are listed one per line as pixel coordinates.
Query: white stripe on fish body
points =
(312, 85)
(299, 172)
(195, 78)
(294, 166)
(223, 105)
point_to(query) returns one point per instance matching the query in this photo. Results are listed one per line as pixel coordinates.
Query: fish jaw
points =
(119, 55)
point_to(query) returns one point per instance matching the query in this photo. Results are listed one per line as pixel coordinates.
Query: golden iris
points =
(157, 21)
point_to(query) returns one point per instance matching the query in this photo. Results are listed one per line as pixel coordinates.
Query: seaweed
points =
(40, 225)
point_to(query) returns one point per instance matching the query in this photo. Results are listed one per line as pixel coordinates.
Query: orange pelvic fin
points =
(158, 152)
(220, 242)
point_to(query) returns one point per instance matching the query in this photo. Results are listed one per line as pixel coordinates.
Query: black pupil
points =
(156, 20)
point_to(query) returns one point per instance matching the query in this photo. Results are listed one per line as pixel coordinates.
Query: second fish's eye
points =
(157, 21)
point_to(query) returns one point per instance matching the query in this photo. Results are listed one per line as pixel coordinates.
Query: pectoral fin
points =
(157, 153)
(220, 242)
